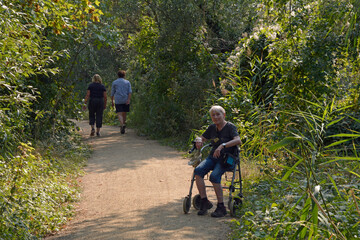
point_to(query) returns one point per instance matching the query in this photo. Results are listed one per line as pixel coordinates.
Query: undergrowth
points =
(273, 209)
(309, 188)
(38, 187)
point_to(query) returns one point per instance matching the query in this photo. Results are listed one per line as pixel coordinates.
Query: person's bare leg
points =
(120, 117)
(219, 192)
(220, 210)
(205, 204)
(200, 183)
(124, 118)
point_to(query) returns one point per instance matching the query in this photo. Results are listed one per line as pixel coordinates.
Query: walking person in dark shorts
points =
(96, 95)
(121, 93)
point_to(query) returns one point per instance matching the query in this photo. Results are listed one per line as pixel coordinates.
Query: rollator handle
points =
(193, 147)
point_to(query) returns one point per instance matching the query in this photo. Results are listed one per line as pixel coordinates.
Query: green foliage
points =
(30, 95)
(290, 88)
(175, 60)
(274, 210)
(39, 187)
(314, 194)
(35, 190)
(309, 49)
(167, 76)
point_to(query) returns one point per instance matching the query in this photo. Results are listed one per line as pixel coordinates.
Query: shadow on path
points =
(162, 222)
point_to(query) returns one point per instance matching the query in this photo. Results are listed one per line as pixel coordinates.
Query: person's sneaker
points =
(123, 129)
(220, 211)
(92, 133)
(98, 134)
(205, 205)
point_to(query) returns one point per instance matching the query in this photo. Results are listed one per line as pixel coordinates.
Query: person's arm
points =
(105, 99)
(128, 99)
(112, 94)
(86, 99)
(87, 96)
(235, 141)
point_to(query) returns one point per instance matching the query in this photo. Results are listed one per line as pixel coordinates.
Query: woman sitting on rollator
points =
(225, 138)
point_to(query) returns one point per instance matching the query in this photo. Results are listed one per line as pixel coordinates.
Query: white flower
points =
(317, 189)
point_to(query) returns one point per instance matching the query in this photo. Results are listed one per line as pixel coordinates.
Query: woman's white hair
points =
(217, 108)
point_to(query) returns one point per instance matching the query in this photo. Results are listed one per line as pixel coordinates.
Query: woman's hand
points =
(217, 152)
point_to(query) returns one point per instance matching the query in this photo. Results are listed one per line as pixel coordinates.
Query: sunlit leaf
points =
(286, 141)
(352, 135)
(335, 186)
(291, 170)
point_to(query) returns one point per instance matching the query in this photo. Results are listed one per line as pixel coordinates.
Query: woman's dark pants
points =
(96, 109)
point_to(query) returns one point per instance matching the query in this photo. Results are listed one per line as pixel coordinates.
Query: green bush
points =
(38, 188)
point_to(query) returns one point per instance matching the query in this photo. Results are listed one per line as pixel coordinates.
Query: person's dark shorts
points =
(122, 107)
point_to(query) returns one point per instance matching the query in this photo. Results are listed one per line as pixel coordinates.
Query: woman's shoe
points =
(205, 205)
(98, 134)
(220, 211)
(92, 132)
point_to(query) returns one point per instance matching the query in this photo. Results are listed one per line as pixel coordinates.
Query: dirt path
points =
(134, 189)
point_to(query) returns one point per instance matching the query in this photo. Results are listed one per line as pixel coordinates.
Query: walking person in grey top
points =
(121, 93)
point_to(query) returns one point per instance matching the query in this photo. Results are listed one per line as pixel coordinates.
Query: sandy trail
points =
(134, 189)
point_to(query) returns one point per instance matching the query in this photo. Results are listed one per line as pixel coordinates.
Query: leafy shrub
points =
(311, 186)
(38, 188)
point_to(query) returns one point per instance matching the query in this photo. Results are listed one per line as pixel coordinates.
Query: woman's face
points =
(217, 117)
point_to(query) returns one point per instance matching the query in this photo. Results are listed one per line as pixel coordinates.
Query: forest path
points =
(133, 188)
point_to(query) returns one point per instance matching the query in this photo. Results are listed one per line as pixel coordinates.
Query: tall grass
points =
(311, 190)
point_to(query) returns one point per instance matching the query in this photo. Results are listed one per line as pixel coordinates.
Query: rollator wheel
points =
(186, 204)
(234, 204)
(196, 201)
